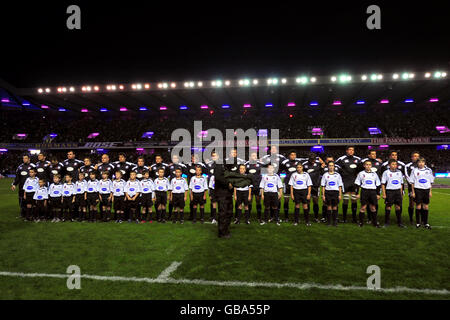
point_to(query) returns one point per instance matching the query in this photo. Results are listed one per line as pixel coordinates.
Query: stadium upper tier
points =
(403, 104)
(405, 122)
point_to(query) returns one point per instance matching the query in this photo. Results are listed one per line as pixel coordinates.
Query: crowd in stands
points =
(292, 123)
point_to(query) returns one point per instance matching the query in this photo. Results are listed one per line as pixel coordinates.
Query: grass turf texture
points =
(414, 258)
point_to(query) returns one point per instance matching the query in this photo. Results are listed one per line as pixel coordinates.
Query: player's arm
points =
(292, 191)
(340, 193)
(234, 194)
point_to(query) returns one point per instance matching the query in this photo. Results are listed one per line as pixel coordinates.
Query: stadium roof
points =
(305, 91)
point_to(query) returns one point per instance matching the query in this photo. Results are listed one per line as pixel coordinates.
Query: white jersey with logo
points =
(55, 190)
(422, 178)
(367, 180)
(198, 184)
(147, 186)
(68, 189)
(41, 194)
(104, 186)
(271, 183)
(132, 188)
(332, 182)
(118, 187)
(300, 181)
(161, 184)
(31, 184)
(179, 185)
(392, 179)
(92, 186)
(81, 187)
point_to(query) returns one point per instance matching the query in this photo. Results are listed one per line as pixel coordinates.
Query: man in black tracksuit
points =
(224, 195)
(22, 174)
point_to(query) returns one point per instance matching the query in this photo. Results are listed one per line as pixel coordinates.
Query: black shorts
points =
(29, 199)
(242, 197)
(119, 203)
(54, 202)
(105, 199)
(40, 204)
(349, 186)
(80, 201)
(178, 200)
(368, 196)
(146, 200)
(271, 199)
(92, 198)
(300, 196)
(132, 204)
(331, 197)
(422, 196)
(393, 197)
(67, 203)
(211, 195)
(161, 198)
(197, 198)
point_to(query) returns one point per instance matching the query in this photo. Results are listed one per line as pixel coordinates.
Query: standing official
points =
(223, 192)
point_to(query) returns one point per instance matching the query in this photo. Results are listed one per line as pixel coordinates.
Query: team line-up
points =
(122, 191)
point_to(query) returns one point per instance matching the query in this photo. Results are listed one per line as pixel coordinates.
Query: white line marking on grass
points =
(164, 275)
(164, 278)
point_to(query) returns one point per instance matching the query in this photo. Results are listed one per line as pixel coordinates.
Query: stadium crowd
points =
(335, 123)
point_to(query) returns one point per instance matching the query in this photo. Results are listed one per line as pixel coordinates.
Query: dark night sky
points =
(146, 40)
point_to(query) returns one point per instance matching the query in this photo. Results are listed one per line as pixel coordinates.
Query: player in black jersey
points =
(22, 173)
(71, 165)
(55, 168)
(123, 166)
(159, 164)
(140, 168)
(87, 168)
(42, 168)
(350, 165)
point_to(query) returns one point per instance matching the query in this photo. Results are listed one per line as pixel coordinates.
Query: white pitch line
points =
(164, 275)
(164, 278)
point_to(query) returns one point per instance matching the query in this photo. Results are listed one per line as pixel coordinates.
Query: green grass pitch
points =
(413, 258)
